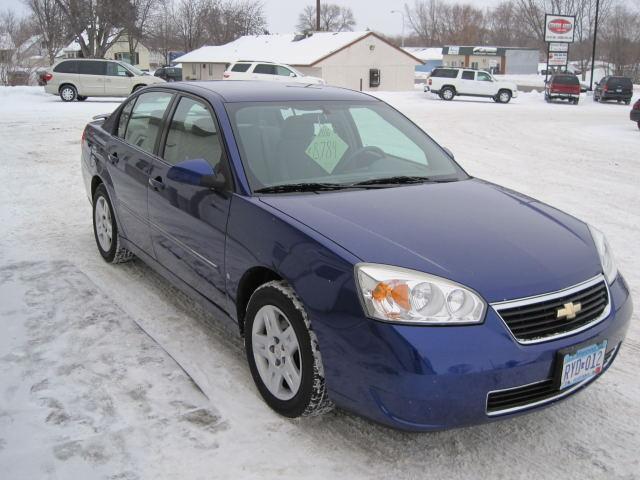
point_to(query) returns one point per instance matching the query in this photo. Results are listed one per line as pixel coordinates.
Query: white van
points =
(77, 79)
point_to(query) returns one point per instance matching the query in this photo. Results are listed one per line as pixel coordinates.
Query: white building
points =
(346, 59)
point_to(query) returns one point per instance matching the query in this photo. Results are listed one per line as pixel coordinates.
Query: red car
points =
(635, 113)
(563, 86)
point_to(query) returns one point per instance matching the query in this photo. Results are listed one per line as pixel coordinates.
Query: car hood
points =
(500, 243)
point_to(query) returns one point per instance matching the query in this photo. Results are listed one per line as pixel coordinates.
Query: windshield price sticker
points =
(326, 148)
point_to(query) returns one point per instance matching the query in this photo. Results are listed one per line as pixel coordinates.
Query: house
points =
(431, 58)
(356, 60)
(503, 60)
(119, 50)
(32, 53)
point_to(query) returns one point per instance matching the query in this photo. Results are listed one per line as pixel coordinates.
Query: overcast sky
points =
(282, 15)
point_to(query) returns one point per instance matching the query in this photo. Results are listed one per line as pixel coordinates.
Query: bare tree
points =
(333, 18)
(621, 35)
(230, 19)
(162, 35)
(136, 24)
(95, 24)
(424, 18)
(191, 23)
(51, 23)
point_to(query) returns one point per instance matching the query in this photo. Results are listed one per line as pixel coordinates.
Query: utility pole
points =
(318, 15)
(595, 38)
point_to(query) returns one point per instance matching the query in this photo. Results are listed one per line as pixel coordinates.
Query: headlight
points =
(606, 256)
(395, 294)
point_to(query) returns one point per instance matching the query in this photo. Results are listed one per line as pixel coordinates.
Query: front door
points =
(485, 84)
(188, 222)
(91, 75)
(130, 157)
(118, 81)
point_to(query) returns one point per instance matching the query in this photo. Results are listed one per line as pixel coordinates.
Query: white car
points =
(77, 79)
(447, 82)
(278, 72)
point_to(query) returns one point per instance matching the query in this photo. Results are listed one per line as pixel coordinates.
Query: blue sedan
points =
(362, 265)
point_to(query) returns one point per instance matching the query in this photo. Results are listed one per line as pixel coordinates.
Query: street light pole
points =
(402, 14)
(595, 37)
(318, 15)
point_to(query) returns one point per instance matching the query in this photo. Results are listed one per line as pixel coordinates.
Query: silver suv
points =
(77, 79)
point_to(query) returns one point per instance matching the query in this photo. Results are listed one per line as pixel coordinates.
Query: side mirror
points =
(292, 74)
(198, 173)
(129, 74)
(449, 152)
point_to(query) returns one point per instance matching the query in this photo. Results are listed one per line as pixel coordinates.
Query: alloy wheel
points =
(504, 97)
(67, 94)
(276, 352)
(104, 224)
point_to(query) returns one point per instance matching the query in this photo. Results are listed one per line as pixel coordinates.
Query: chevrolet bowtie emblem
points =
(569, 311)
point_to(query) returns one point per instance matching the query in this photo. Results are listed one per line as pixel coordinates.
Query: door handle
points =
(113, 158)
(156, 183)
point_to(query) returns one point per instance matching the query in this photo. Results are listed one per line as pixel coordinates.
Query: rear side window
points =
(66, 67)
(444, 73)
(265, 69)
(90, 67)
(566, 80)
(240, 67)
(192, 135)
(145, 123)
(466, 75)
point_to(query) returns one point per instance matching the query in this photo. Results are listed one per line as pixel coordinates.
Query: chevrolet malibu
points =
(363, 266)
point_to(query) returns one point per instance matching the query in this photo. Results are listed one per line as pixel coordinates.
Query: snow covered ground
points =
(108, 372)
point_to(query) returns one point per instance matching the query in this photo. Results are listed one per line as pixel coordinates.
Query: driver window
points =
(375, 131)
(484, 77)
(283, 72)
(116, 70)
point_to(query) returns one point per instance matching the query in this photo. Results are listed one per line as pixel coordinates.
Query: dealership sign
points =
(558, 47)
(558, 59)
(559, 28)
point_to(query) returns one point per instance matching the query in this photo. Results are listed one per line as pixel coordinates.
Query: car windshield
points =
(133, 69)
(335, 144)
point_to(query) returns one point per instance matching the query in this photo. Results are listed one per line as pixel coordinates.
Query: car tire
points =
(447, 93)
(595, 98)
(547, 98)
(504, 96)
(81, 98)
(105, 229)
(282, 352)
(638, 125)
(627, 102)
(68, 93)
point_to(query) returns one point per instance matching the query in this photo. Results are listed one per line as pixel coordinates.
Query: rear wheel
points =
(447, 93)
(283, 354)
(639, 125)
(68, 93)
(105, 229)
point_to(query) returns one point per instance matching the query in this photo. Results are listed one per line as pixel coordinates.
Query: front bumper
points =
(432, 378)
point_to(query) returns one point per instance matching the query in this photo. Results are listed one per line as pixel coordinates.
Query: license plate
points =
(619, 90)
(582, 364)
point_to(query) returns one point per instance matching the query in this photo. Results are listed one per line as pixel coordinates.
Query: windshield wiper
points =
(302, 187)
(399, 180)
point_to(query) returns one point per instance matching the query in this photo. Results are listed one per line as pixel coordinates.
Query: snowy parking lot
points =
(109, 372)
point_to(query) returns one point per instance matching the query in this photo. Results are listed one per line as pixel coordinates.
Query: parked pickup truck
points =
(449, 82)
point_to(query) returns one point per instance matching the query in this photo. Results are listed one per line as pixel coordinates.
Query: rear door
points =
(130, 156)
(264, 71)
(466, 83)
(118, 80)
(188, 221)
(91, 76)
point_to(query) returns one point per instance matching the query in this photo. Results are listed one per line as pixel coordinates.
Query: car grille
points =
(537, 319)
(519, 398)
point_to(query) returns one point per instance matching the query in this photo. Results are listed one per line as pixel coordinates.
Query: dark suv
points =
(614, 88)
(170, 74)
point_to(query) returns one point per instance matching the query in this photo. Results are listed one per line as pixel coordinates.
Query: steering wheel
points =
(363, 157)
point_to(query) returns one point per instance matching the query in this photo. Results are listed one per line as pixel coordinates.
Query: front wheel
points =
(283, 354)
(105, 229)
(504, 96)
(68, 93)
(447, 93)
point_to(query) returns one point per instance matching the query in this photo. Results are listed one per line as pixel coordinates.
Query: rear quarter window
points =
(66, 67)
(444, 73)
(240, 67)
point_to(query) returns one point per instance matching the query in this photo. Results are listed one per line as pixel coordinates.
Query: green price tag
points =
(326, 148)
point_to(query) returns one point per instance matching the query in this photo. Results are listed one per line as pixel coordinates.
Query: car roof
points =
(258, 91)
